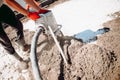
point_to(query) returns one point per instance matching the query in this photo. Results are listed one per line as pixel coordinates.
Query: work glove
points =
(43, 11)
(33, 15)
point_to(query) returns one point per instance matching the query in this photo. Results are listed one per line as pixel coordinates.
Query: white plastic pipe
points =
(56, 41)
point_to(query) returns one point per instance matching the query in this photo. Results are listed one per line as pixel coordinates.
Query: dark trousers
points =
(7, 16)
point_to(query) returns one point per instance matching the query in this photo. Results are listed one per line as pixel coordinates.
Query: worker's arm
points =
(28, 6)
(33, 4)
(19, 8)
(13, 4)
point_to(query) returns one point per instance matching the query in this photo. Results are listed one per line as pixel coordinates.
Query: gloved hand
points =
(33, 15)
(43, 11)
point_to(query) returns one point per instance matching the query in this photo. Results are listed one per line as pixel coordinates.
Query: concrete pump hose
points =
(33, 55)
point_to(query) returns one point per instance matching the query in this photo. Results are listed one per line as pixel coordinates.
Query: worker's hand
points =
(27, 7)
(43, 11)
(33, 15)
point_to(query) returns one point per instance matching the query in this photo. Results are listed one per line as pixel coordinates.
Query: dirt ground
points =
(87, 61)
